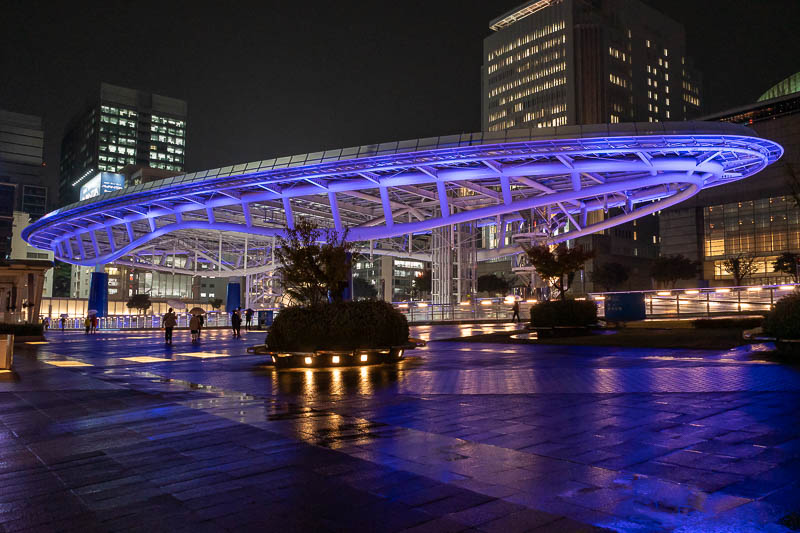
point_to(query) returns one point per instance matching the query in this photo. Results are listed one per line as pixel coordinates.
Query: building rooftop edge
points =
(749, 107)
(464, 140)
(518, 13)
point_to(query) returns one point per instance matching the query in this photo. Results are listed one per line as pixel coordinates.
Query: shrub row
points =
(338, 326)
(563, 313)
(741, 323)
(783, 322)
(21, 330)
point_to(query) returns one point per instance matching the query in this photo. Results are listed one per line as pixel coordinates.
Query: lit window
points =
(648, 43)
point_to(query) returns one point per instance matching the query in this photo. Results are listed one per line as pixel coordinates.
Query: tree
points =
(558, 266)
(215, 303)
(315, 263)
(363, 289)
(140, 302)
(422, 283)
(669, 269)
(787, 263)
(610, 275)
(493, 284)
(62, 272)
(740, 266)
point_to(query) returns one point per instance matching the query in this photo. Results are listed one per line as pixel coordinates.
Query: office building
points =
(22, 183)
(756, 217)
(392, 277)
(121, 127)
(22, 252)
(552, 63)
(562, 62)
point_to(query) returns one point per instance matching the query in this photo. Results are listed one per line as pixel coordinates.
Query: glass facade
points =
(117, 146)
(765, 228)
(161, 284)
(527, 79)
(167, 142)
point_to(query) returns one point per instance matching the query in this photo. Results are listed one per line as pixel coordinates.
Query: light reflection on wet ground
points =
(631, 439)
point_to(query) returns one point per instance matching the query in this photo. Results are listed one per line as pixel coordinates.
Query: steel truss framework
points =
(542, 183)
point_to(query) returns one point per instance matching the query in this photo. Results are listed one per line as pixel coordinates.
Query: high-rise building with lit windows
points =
(759, 218)
(121, 127)
(563, 62)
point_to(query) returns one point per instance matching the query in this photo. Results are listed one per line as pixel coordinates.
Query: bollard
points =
(6, 351)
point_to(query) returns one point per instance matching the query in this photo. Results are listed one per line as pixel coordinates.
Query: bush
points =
(563, 313)
(740, 323)
(338, 326)
(783, 322)
(21, 330)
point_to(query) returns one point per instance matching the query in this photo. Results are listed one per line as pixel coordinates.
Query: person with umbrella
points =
(248, 319)
(194, 326)
(198, 312)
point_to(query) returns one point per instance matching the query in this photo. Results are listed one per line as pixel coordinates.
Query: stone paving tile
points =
(496, 436)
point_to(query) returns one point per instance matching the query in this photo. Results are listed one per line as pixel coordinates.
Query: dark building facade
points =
(121, 127)
(757, 217)
(562, 62)
(551, 63)
(22, 183)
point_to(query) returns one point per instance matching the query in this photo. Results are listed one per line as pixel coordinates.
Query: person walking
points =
(169, 322)
(202, 322)
(63, 323)
(88, 324)
(94, 323)
(194, 327)
(516, 311)
(248, 319)
(236, 323)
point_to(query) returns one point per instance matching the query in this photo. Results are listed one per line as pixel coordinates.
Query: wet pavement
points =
(460, 436)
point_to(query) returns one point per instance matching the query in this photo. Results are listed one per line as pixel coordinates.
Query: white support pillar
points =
(387, 207)
(219, 254)
(287, 211)
(337, 219)
(441, 192)
(111, 239)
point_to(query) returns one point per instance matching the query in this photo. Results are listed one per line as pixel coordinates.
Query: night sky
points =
(286, 77)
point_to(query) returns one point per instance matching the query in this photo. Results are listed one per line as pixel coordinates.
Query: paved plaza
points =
(116, 432)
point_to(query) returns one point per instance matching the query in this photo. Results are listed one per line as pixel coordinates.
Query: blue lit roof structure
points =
(551, 179)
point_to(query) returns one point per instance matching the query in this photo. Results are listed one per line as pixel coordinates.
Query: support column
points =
(234, 295)
(98, 291)
(441, 265)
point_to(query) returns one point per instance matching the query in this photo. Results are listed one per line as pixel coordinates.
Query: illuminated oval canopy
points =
(549, 181)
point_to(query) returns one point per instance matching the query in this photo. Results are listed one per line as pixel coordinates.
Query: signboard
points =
(102, 183)
(265, 319)
(624, 306)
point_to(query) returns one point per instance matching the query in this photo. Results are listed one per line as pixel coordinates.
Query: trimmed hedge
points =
(577, 313)
(783, 322)
(741, 323)
(21, 330)
(338, 326)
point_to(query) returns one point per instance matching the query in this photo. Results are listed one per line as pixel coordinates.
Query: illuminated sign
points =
(102, 183)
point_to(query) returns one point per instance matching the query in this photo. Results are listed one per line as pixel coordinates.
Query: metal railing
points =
(480, 309)
(139, 321)
(700, 302)
(658, 304)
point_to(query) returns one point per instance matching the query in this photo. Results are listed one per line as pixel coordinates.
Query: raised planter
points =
(338, 358)
(562, 331)
(788, 346)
